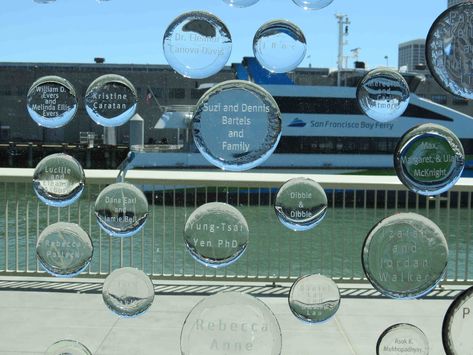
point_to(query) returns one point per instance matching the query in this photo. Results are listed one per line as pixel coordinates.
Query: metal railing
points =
(274, 253)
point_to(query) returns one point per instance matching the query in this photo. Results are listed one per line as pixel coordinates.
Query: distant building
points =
(412, 53)
(454, 2)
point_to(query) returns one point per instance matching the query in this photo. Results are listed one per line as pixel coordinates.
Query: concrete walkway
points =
(30, 321)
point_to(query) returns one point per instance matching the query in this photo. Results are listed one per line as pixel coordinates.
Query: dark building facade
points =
(156, 85)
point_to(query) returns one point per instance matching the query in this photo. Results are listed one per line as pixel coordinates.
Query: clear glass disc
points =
(383, 94)
(128, 292)
(301, 204)
(236, 125)
(51, 101)
(121, 209)
(231, 323)
(449, 50)
(216, 234)
(279, 46)
(197, 44)
(240, 3)
(402, 339)
(314, 298)
(111, 100)
(58, 180)
(429, 159)
(458, 325)
(405, 256)
(64, 249)
(67, 347)
(312, 4)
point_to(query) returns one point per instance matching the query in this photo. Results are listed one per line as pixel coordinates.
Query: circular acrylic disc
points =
(121, 209)
(240, 3)
(312, 4)
(301, 204)
(236, 125)
(231, 323)
(405, 256)
(67, 347)
(111, 100)
(128, 292)
(429, 159)
(52, 102)
(197, 44)
(279, 46)
(216, 234)
(449, 50)
(458, 325)
(314, 298)
(383, 94)
(402, 339)
(58, 180)
(64, 249)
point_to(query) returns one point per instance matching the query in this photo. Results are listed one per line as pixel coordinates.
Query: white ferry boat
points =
(322, 127)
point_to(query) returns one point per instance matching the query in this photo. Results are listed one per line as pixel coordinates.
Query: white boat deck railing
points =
(356, 204)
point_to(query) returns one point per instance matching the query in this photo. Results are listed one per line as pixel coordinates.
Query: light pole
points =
(342, 32)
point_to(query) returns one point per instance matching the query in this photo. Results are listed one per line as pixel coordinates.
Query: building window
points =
(440, 99)
(196, 94)
(459, 101)
(177, 93)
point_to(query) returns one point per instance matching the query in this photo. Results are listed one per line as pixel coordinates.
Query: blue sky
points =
(131, 31)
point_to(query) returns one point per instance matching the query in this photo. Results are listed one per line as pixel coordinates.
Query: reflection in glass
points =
(58, 180)
(383, 94)
(448, 50)
(64, 249)
(128, 292)
(67, 347)
(405, 256)
(312, 4)
(111, 100)
(402, 339)
(216, 234)
(236, 125)
(51, 102)
(301, 204)
(231, 323)
(197, 44)
(429, 159)
(279, 46)
(314, 298)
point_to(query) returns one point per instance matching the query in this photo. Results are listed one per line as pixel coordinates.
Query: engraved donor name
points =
(219, 344)
(224, 326)
(300, 214)
(60, 171)
(217, 227)
(403, 345)
(220, 243)
(404, 268)
(108, 101)
(63, 254)
(50, 107)
(194, 37)
(124, 200)
(235, 108)
(301, 195)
